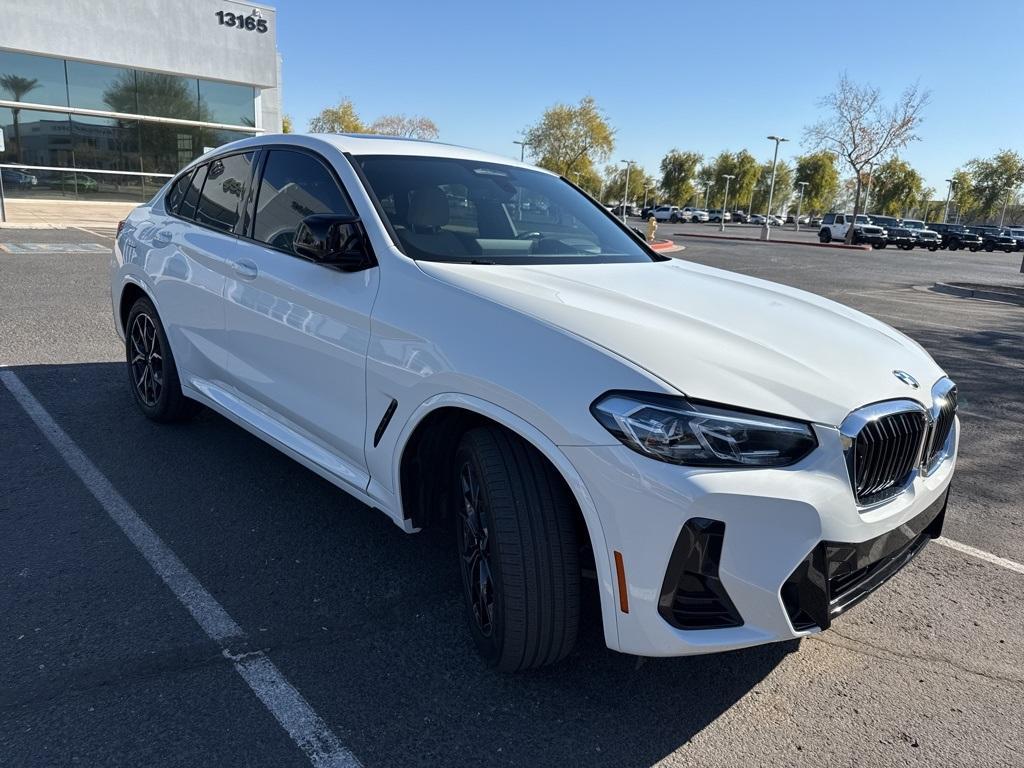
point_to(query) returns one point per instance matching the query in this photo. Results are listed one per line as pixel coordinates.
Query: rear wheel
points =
(825, 236)
(954, 245)
(990, 247)
(518, 551)
(674, 219)
(152, 374)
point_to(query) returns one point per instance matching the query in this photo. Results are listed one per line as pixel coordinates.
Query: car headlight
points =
(679, 431)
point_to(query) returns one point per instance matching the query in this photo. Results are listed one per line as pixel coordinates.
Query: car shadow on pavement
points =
(366, 621)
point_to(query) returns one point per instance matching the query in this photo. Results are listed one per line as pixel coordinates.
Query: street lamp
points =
(707, 193)
(646, 190)
(725, 202)
(766, 230)
(522, 149)
(625, 189)
(949, 193)
(800, 202)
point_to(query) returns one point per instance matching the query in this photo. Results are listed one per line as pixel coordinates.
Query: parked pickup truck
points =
(926, 238)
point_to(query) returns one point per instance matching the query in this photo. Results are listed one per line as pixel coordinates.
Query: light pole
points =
(725, 202)
(625, 189)
(646, 190)
(1002, 216)
(522, 149)
(707, 193)
(800, 202)
(949, 193)
(766, 230)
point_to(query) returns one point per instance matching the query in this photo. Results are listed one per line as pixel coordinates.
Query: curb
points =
(662, 245)
(780, 242)
(974, 293)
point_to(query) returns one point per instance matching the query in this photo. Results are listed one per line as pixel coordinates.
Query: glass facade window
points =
(78, 185)
(35, 137)
(162, 95)
(105, 143)
(33, 79)
(95, 86)
(106, 149)
(167, 148)
(227, 103)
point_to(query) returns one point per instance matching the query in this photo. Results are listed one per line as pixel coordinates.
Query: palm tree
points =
(17, 86)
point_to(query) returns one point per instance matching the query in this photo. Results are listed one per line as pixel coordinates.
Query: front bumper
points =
(772, 521)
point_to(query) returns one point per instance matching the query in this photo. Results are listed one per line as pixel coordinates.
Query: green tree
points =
(994, 181)
(896, 188)
(17, 87)
(639, 181)
(570, 138)
(340, 119)
(819, 170)
(678, 172)
(286, 124)
(743, 166)
(862, 130)
(781, 197)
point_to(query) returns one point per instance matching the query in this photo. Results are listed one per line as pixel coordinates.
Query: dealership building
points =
(105, 99)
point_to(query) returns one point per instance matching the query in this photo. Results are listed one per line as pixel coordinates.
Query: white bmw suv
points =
(457, 339)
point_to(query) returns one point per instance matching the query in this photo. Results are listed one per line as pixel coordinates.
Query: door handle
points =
(245, 269)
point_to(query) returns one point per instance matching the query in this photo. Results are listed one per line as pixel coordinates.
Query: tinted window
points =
(294, 185)
(226, 181)
(447, 209)
(188, 205)
(177, 193)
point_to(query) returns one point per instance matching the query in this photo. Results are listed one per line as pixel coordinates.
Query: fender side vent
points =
(385, 420)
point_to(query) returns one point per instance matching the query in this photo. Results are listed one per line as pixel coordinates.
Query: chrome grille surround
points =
(887, 445)
(942, 415)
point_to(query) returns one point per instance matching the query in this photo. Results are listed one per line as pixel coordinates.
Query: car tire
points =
(518, 551)
(974, 249)
(989, 247)
(152, 372)
(954, 245)
(879, 246)
(933, 248)
(674, 219)
(825, 236)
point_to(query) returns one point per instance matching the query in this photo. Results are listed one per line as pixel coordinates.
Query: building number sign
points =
(250, 23)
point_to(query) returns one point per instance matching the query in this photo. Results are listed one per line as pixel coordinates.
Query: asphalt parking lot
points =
(100, 664)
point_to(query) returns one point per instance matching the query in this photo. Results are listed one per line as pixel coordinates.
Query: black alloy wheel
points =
(147, 360)
(473, 531)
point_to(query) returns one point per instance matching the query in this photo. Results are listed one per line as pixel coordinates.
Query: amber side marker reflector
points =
(620, 571)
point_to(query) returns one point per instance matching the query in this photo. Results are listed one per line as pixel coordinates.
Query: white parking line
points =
(286, 704)
(967, 549)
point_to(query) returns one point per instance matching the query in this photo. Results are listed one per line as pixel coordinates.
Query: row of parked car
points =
(883, 231)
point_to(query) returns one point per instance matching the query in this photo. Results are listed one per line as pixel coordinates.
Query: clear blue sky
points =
(703, 77)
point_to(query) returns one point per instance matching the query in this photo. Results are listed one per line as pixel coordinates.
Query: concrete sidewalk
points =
(55, 214)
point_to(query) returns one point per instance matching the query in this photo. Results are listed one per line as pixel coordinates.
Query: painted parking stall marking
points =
(46, 248)
(306, 728)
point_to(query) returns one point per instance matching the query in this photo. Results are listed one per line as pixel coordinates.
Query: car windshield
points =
(913, 224)
(458, 210)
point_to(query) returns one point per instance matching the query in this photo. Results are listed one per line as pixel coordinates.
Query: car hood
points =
(715, 335)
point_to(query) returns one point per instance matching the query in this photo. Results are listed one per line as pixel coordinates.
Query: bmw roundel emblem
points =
(906, 378)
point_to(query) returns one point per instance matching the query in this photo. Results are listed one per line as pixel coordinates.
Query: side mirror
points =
(334, 240)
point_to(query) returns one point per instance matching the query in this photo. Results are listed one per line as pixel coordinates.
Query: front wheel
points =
(825, 236)
(518, 551)
(674, 219)
(152, 373)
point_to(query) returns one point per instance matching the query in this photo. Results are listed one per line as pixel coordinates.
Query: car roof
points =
(368, 144)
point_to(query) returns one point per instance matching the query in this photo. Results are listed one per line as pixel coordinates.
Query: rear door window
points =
(227, 179)
(177, 193)
(187, 210)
